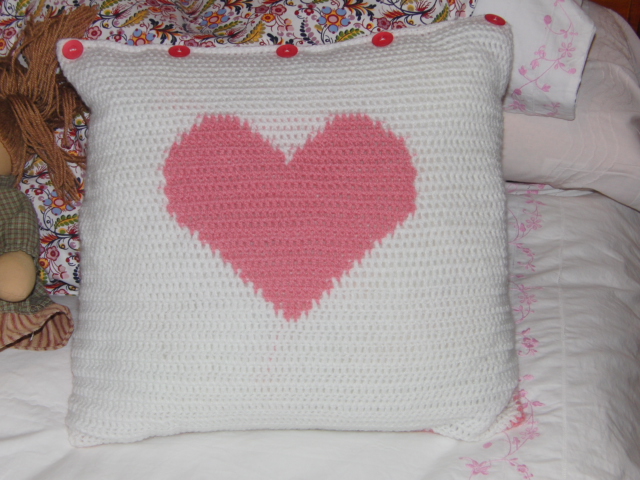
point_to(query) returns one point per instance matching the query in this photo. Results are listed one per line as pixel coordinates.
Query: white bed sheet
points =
(575, 268)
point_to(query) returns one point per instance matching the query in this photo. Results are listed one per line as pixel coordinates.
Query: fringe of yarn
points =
(36, 100)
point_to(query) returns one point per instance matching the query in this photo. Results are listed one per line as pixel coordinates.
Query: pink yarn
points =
(291, 229)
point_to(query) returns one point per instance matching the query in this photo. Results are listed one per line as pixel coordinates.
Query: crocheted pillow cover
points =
(313, 241)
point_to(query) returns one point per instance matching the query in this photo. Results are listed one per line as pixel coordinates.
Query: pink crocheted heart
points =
(291, 228)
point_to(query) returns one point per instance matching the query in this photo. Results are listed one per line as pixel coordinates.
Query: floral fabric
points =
(59, 236)
(239, 22)
(205, 23)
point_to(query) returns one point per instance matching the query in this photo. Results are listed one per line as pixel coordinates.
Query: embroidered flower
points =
(279, 10)
(286, 27)
(141, 38)
(307, 10)
(9, 32)
(334, 18)
(459, 12)
(61, 273)
(52, 253)
(215, 18)
(529, 342)
(73, 259)
(57, 204)
(479, 468)
(567, 49)
(94, 33)
(117, 37)
(383, 23)
(534, 223)
(529, 434)
(517, 105)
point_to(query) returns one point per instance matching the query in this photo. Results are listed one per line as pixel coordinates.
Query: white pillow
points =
(600, 149)
(294, 243)
(551, 42)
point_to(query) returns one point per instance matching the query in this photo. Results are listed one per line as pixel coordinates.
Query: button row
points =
(73, 49)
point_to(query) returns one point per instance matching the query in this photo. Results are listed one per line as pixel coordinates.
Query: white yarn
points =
(417, 335)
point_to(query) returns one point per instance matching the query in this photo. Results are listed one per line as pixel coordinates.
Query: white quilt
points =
(575, 265)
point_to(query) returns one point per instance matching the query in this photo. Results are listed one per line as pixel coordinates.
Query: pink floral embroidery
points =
(479, 468)
(504, 451)
(527, 342)
(536, 75)
(512, 440)
(526, 221)
(532, 220)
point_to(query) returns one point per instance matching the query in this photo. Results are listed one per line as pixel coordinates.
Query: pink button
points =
(179, 51)
(382, 39)
(73, 49)
(287, 51)
(495, 19)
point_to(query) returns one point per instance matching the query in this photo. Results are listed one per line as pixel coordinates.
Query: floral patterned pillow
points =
(208, 24)
(59, 236)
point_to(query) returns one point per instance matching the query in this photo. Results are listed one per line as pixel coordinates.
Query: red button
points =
(72, 49)
(382, 39)
(287, 51)
(179, 51)
(495, 19)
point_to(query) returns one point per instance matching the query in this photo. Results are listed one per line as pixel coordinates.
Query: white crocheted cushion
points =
(315, 242)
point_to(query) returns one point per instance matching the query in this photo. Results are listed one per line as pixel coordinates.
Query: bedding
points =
(600, 149)
(574, 287)
(575, 293)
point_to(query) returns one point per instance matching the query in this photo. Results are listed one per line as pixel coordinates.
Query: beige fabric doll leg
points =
(17, 276)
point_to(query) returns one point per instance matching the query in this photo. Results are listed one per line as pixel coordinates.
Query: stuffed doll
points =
(35, 101)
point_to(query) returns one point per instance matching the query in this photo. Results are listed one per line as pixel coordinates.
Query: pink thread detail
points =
(291, 229)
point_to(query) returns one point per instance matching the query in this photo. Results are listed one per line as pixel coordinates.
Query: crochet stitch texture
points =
(315, 242)
(292, 228)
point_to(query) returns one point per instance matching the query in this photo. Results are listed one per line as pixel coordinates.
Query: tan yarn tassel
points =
(37, 100)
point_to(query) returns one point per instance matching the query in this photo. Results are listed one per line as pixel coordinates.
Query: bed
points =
(572, 275)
